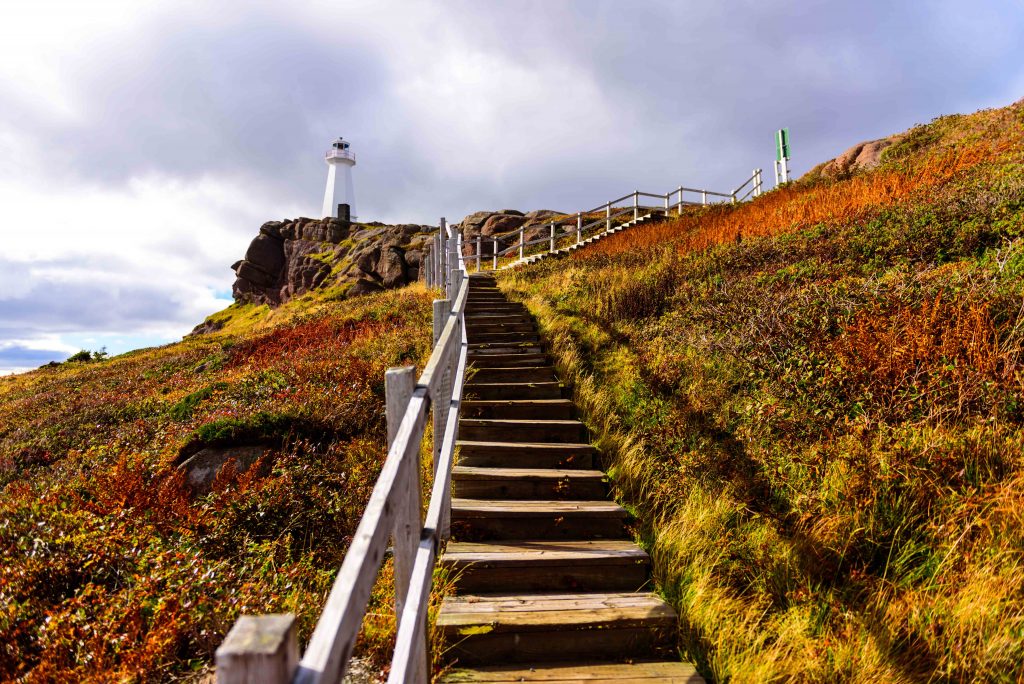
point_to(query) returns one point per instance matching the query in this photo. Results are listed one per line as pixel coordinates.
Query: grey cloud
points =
(20, 356)
(57, 306)
(681, 93)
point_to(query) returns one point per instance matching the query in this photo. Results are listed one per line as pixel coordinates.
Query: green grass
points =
(111, 569)
(820, 423)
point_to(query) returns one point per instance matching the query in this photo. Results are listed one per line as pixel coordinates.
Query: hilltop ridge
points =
(815, 398)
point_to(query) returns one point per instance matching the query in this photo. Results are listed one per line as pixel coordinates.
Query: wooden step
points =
(605, 565)
(526, 455)
(506, 390)
(507, 337)
(497, 318)
(484, 348)
(482, 628)
(479, 519)
(593, 672)
(528, 483)
(508, 360)
(483, 376)
(519, 430)
(553, 409)
(477, 327)
(504, 308)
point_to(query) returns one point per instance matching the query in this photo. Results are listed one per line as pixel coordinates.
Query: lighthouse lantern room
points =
(339, 197)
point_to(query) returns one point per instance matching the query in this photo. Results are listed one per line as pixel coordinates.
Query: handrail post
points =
(666, 203)
(579, 227)
(636, 204)
(259, 648)
(551, 247)
(477, 253)
(398, 387)
(608, 216)
(757, 193)
(734, 197)
(522, 239)
(442, 310)
(704, 197)
(494, 257)
(425, 266)
(680, 200)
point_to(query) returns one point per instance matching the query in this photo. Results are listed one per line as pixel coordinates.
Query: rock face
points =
(865, 155)
(289, 258)
(487, 224)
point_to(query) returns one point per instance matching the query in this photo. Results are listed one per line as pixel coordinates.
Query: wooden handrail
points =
(390, 511)
(264, 648)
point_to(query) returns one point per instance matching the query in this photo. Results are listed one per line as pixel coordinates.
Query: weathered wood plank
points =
(259, 649)
(592, 672)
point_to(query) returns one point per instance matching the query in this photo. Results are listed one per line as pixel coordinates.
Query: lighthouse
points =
(339, 197)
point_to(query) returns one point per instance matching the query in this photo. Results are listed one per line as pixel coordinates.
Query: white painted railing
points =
(572, 226)
(265, 648)
(339, 154)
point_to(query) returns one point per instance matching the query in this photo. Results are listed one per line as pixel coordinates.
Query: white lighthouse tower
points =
(339, 197)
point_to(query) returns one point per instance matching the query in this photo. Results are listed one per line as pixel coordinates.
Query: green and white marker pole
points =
(781, 156)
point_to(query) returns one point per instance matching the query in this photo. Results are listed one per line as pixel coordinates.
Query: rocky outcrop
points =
(487, 224)
(289, 258)
(862, 156)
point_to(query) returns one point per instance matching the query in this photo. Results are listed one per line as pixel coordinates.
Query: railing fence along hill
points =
(570, 226)
(265, 648)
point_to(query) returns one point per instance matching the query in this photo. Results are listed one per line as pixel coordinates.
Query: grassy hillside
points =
(110, 568)
(815, 404)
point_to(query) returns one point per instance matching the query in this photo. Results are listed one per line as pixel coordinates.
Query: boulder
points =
(862, 156)
(363, 286)
(203, 467)
(266, 253)
(391, 267)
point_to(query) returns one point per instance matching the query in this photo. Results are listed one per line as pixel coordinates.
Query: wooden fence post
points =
(608, 216)
(703, 196)
(259, 649)
(579, 227)
(680, 201)
(522, 240)
(636, 204)
(478, 255)
(398, 387)
(551, 245)
(442, 310)
(667, 195)
(494, 258)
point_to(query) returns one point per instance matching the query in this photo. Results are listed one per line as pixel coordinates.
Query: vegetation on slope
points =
(814, 403)
(110, 568)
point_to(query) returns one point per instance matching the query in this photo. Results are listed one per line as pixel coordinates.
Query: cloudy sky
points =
(143, 143)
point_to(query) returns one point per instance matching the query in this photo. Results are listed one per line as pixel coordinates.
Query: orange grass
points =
(797, 206)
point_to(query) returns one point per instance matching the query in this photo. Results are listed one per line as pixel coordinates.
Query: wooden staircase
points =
(549, 587)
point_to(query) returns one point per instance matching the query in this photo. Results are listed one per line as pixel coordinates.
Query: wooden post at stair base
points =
(398, 387)
(579, 227)
(259, 649)
(636, 204)
(551, 245)
(522, 240)
(478, 241)
(608, 216)
(494, 258)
